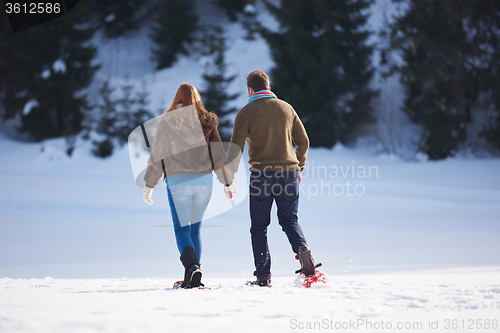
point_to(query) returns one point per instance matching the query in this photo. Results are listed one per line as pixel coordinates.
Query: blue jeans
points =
(187, 205)
(266, 187)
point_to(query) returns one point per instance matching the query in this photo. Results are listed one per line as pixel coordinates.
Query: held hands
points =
(147, 195)
(230, 191)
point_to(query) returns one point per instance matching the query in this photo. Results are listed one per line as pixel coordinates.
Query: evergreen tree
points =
(485, 18)
(51, 64)
(142, 111)
(9, 52)
(322, 65)
(448, 48)
(133, 111)
(107, 121)
(214, 95)
(118, 17)
(232, 7)
(249, 21)
(126, 104)
(491, 132)
(172, 30)
(118, 117)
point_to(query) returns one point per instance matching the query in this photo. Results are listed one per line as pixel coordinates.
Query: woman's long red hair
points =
(187, 94)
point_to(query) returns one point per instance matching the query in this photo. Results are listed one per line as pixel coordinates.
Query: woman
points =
(187, 164)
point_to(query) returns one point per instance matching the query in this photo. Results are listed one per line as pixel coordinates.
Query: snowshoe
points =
(182, 285)
(308, 281)
(309, 275)
(261, 282)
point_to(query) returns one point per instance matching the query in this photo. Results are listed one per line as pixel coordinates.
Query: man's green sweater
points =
(271, 127)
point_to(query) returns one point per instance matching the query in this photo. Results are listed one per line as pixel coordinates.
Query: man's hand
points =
(230, 191)
(147, 195)
(300, 176)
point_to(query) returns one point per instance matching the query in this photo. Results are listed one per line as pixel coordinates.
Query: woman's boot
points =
(192, 272)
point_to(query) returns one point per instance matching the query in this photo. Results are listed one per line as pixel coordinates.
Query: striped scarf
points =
(261, 94)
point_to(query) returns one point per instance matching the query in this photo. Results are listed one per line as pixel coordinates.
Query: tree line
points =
(446, 54)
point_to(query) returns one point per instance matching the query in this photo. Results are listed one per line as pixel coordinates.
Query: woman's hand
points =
(147, 195)
(230, 191)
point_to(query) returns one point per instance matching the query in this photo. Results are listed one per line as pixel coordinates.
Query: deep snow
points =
(81, 252)
(466, 298)
(84, 217)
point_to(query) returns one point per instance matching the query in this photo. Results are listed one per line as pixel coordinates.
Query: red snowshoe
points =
(308, 267)
(181, 285)
(309, 281)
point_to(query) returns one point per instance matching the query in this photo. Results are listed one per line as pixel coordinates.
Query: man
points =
(271, 127)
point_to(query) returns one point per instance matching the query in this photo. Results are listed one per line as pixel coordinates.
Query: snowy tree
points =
(142, 110)
(486, 22)
(322, 65)
(107, 121)
(118, 17)
(215, 96)
(119, 116)
(491, 131)
(126, 105)
(172, 31)
(50, 63)
(232, 7)
(249, 21)
(451, 57)
(133, 111)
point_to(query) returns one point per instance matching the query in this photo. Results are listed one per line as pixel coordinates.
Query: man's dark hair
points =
(258, 80)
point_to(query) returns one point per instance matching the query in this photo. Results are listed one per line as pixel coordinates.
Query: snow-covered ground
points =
(80, 251)
(84, 217)
(444, 301)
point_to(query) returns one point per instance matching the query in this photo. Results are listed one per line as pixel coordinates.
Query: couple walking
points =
(271, 127)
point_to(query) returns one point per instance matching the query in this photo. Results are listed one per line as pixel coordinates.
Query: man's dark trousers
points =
(266, 187)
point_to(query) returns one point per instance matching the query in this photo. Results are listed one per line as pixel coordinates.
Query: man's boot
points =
(308, 267)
